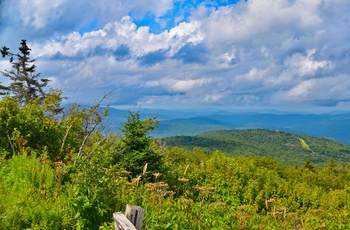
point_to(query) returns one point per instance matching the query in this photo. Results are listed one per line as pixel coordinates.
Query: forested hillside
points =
(330, 125)
(65, 174)
(286, 148)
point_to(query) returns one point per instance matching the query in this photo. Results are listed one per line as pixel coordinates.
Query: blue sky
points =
(256, 54)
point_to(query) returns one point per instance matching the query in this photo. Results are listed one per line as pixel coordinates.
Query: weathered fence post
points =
(121, 222)
(135, 214)
(132, 220)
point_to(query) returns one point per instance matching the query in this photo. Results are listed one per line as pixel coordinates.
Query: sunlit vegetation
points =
(286, 148)
(63, 174)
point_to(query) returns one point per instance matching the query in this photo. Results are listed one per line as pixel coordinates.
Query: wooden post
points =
(135, 214)
(132, 220)
(121, 222)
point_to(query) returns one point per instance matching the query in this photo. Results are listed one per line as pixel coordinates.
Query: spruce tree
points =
(25, 83)
(136, 146)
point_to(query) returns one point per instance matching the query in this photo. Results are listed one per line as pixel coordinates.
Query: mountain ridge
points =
(287, 148)
(333, 125)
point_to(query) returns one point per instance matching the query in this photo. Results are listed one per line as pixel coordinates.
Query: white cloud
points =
(216, 97)
(329, 90)
(301, 91)
(256, 52)
(186, 85)
(304, 65)
(177, 85)
(259, 19)
(139, 41)
(40, 13)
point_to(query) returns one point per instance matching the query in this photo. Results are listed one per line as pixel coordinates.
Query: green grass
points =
(304, 145)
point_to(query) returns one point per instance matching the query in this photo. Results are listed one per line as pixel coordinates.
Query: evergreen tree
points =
(25, 83)
(309, 166)
(332, 166)
(136, 145)
(3, 89)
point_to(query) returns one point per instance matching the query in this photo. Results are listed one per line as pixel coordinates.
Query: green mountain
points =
(192, 122)
(286, 148)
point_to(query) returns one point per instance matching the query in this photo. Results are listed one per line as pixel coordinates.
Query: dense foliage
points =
(65, 174)
(59, 173)
(286, 148)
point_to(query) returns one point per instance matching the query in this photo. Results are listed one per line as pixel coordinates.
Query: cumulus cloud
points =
(305, 65)
(322, 92)
(255, 52)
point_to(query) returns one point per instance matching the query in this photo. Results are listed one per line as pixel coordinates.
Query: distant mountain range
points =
(334, 125)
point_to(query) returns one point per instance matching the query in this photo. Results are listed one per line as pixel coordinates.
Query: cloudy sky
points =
(264, 54)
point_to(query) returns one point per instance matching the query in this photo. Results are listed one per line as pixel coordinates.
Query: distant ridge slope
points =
(287, 148)
(335, 126)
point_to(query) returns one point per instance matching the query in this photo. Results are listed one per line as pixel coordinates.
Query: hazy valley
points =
(334, 125)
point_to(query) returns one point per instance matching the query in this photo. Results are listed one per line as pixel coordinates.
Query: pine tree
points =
(25, 83)
(136, 147)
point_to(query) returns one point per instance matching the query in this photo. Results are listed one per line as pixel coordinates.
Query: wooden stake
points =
(121, 222)
(135, 214)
